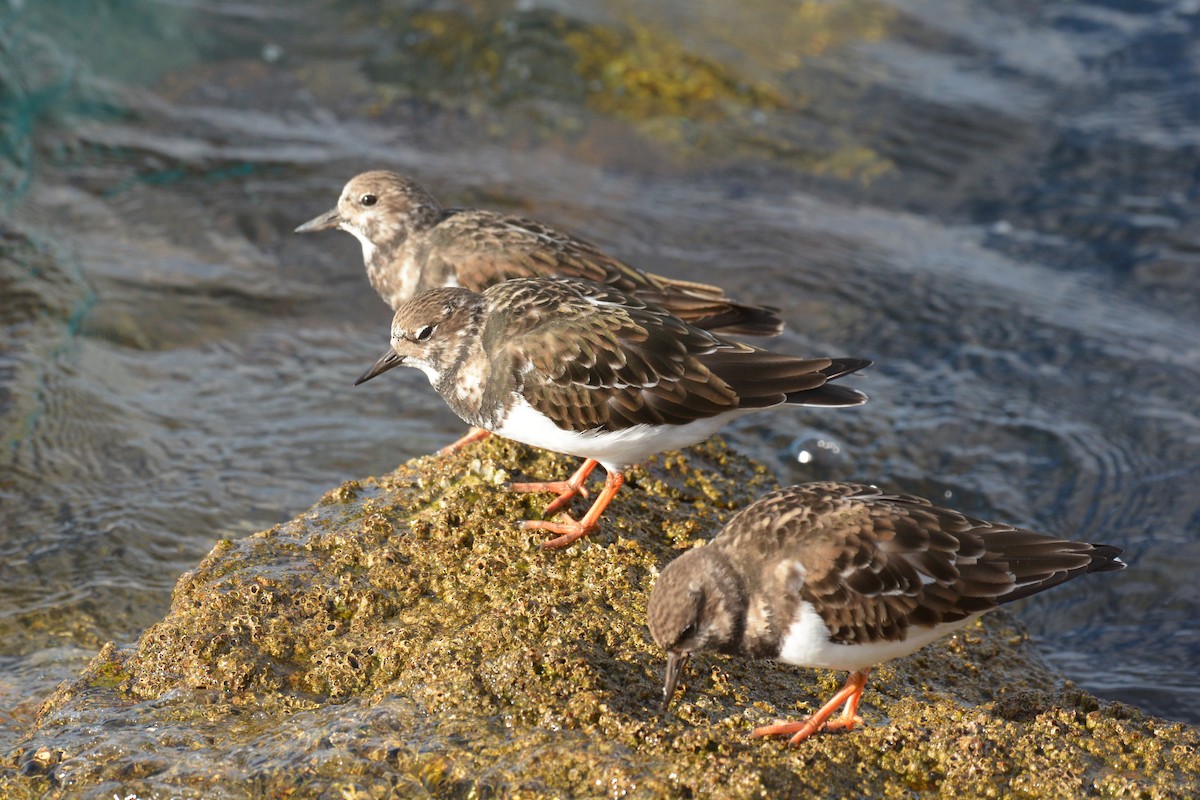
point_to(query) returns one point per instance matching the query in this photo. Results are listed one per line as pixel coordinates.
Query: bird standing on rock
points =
(843, 576)
(585, 369)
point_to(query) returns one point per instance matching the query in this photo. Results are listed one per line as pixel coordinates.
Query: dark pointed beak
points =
(675, 664)
(330, 219)
(385, 362)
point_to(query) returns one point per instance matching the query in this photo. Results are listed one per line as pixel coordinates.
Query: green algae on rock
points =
(405, 638)
(594, 80)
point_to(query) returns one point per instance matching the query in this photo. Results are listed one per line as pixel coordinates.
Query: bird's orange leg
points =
(850, 694)
(849, 716)
(571, 530)
(471, 436)
(564, 489)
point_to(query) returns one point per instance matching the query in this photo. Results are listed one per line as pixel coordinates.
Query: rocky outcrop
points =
(404, 637)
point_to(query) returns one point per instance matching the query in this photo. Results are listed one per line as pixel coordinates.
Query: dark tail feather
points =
(743, 320)
(845, 366)
(706, 307)
(1038, 574)
(830, 395)
(1105, 558)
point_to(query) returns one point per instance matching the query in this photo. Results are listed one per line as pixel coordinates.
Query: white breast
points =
(806, 643)
(615, 450)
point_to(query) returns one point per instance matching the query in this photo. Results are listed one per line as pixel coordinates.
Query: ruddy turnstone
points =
(842, 576)
(412, 244)
(585, 369)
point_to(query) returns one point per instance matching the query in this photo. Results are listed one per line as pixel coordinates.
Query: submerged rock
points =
(702, 88)
(404, 637)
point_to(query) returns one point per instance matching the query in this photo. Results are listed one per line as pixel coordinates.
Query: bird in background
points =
(411, 244)
(843, 576)
(585, 369)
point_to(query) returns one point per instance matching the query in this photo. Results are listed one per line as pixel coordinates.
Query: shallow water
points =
(996, 203)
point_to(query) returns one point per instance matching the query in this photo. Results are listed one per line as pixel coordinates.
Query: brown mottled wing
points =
(876, 563)
(485, 248)
(603, 359)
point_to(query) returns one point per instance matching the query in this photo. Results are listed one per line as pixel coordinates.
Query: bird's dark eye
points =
(368, 200)
(424, 333)
(688, 632)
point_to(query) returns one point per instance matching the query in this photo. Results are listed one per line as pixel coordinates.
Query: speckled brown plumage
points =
(412, 244)
(842, 575)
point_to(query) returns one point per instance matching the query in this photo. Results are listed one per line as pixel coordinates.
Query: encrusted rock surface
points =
(405, 638)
